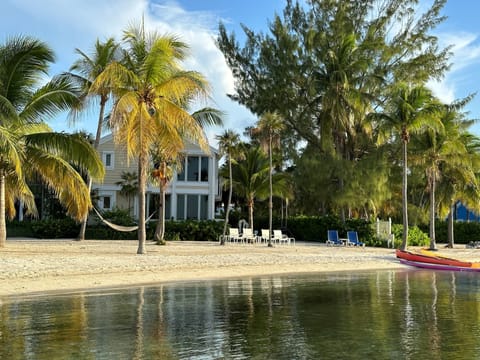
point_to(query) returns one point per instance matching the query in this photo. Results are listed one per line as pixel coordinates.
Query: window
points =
(195, 169)
(106, 200)
(192, 168)
(203, 207)
(180, 207)
(192, 207)
(108, 159)
(154, 205)
(106, 203)
(204, 169)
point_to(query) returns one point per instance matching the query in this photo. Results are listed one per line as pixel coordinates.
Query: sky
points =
(69, 24)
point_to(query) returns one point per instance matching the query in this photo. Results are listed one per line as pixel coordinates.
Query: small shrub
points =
(119, 217)
(55, 228)
(416, 237)
(17, 228)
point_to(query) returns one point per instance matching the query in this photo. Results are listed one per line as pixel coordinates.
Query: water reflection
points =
(375, 315)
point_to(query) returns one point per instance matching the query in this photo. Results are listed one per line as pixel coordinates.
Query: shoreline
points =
(31, 267)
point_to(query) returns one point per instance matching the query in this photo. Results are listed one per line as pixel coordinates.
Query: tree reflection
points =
(385, 314)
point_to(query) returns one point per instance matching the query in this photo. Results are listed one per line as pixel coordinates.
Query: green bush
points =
(17, 228)
(416, 237)
(55, 228)
(119, 217)
(207, 230)
(463, 232)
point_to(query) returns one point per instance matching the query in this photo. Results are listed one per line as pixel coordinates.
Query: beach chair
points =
(333, 239)
(352, 238)
(248, 236)
(233, 235)
(263, 236)
(281, 238)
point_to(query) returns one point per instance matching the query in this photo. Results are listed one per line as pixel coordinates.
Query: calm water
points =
(368, 315)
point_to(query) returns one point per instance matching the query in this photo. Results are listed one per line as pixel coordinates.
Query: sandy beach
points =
(30, 266)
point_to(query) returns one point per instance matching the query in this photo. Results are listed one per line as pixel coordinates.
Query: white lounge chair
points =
(282, 238)
(233, 235)
(264, 236)
(248, 236)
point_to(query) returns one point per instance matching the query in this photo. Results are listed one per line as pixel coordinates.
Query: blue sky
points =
(69, 24)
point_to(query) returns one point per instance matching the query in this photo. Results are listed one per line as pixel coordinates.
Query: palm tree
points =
(228, 143)
(84, 71)
(412, 111)
(167, 155)
(439, 150)
(28, 147)
(151, 88)
(459, 181)
(128, 186)
(269, 127)
(251, 180)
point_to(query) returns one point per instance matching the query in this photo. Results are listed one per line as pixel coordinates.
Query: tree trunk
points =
(142, 181)
(403, 246)
(230, 190)
(160, 228)
(250, 212)
(3, 225)
(433, 245)
(451, 227)
(142, 184)
(83, 226)
(270, 202)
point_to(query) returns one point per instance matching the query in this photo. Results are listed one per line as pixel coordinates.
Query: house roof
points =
(189, 145)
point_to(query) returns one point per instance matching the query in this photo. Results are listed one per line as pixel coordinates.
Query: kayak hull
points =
(424, 265)
(432, 259)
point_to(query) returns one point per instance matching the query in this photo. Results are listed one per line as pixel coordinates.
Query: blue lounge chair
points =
(332, 238)
(352, 237)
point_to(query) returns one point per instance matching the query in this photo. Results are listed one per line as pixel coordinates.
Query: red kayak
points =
(432, 259)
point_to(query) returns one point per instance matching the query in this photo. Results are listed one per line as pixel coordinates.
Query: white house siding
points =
(187, 189)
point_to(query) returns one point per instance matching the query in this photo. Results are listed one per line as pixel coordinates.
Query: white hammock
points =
(120, 227)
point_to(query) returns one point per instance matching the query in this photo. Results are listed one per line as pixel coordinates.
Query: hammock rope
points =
(120, 227)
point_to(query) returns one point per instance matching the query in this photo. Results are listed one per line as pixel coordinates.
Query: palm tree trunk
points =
(403, 246)
(3, 225)
(230, 190)
(250, 212)
(270, 202)
(450, 226)
(142, 181)
(160, 228)
(83, 226)
(432, 211)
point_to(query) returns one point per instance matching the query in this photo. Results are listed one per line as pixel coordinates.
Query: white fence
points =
(384, 231)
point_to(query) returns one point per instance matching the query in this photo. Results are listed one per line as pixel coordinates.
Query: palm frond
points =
(23, 60)
(71, 147)
(209, 117)
(57, 95)
(60, 176)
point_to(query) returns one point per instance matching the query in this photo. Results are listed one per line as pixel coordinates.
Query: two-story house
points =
(191, 194)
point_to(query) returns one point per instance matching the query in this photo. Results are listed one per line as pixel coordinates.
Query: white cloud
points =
(463, 73)
(443, 90)
(465, 50)
(66, 25)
